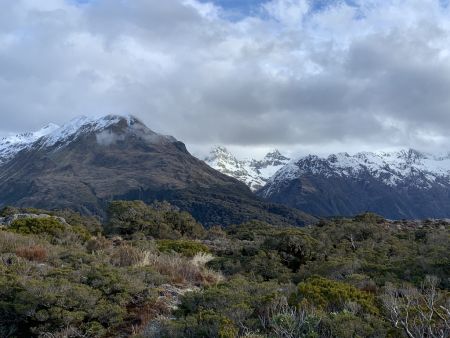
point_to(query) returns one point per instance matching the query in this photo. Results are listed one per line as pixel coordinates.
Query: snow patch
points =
(83, 124)
(12, 145)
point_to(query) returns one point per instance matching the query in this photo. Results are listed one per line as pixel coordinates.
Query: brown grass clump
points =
(182, 270)
(10, 242)
(125, 255)
(35, 253)
(147, 313)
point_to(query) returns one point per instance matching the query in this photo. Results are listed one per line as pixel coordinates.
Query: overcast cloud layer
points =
(371, 75)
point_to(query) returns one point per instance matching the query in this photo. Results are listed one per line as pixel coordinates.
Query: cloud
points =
(365, 75)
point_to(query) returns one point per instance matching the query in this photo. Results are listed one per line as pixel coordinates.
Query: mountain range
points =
(88, 162)
(402, 184)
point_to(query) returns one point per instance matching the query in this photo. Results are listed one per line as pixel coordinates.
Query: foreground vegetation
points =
(153, 271)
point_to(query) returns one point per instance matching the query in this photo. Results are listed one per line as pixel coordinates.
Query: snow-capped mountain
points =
(400, 184)
(87, 162)
(254, 173)
(53, 135)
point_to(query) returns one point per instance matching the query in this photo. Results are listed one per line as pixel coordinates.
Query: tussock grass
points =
(182, 270)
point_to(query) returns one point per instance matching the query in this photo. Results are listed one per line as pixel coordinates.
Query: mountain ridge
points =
(88, 162)
(402, 184)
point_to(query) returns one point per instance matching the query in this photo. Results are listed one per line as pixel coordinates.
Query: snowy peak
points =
(222, 156)
(107, 128)
(255, 173)
(224, 161)
(11, 145)
(275, 157)
(49, 128)
(84, 124)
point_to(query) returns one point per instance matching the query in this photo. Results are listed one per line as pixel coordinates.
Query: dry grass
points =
(148, 313)
(10, 242)
(180, 269)
(35, 253)
(201, 258)
(126, 255)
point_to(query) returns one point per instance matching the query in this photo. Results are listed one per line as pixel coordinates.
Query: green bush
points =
(205, 324)
(158, 220)
(369, 217)
(294, 246)
(332, 295)
(49, 225)
(225, 307)
(53, 284)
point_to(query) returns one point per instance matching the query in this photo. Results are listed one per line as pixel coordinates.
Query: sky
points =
(302, 76)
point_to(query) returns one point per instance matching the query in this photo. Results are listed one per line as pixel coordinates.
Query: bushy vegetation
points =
(50, 226)
(184, 247)
(64, 280)
(153, 271)
(159, 220)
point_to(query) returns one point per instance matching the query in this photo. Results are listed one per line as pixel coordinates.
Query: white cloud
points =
(289, 13)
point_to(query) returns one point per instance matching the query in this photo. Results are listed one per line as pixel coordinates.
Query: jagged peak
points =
(411, 155)
(253, 172)
(273, 153)
(276, 155)
(220, 152)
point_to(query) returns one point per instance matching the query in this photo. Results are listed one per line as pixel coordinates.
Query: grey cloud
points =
(106, 138)
(384, 82)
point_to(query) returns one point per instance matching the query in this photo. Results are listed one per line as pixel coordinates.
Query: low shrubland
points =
(153, 271)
